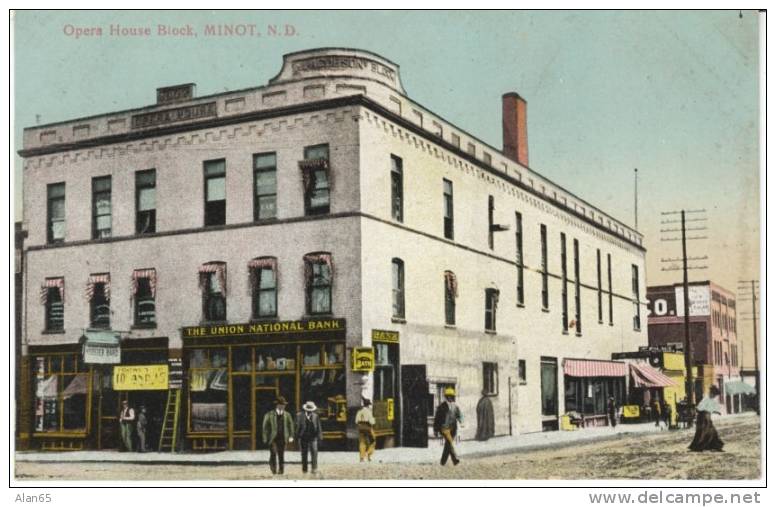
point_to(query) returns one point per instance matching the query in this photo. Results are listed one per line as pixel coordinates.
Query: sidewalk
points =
(429, 455)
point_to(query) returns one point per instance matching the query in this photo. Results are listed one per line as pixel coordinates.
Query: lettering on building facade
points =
(319, 63)
(185, 113)
(383, 336)
(177, 93)
(265, 328)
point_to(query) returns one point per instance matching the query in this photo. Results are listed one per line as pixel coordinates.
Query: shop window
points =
(144, 296)
(52, 295)
(316, 179)
(242, 391)
(264, 289)
(545, 273)
(208, 386)
(98, 294)
(549, 386)
(265, 186)
(490, 379)
(215, 192)
(318, 279)
(491, 305)
(212, 282)
(242, 359)
(447, 196)
(451, 293)
(521, 373)
(519, 258)
(397, 285)
(61, 393)
(101, 207)
(397, 189)
(323, 377)
(55, 213)
(145, 202)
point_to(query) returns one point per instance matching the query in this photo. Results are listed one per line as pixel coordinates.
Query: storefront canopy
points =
(594, 368)
(646, 376)
(735, 387)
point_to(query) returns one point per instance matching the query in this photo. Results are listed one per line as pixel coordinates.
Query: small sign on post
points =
(363, 359)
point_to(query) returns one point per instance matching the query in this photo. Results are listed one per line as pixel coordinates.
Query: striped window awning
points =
(451, 282)
(103, 278)
(261, 263)
(148, 274)
(594, 368)
(644, 375)
(52, 283)
(219, 268)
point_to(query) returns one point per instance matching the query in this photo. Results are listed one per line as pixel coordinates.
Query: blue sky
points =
(674, 93)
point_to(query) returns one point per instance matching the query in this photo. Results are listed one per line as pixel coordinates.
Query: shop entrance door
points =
(108, 407)
(155, 403)
(414, 394)
(264, 398)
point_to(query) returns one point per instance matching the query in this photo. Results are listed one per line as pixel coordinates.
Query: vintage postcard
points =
(285, 246)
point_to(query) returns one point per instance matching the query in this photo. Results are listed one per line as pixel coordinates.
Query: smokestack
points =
(514, 112)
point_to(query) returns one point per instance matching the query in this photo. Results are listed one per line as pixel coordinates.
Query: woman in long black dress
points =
(706, 437)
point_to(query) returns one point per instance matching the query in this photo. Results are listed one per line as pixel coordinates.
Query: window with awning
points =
(263, 286)
(212, 283)
(144, 296)
(98, 295)
(52, 297)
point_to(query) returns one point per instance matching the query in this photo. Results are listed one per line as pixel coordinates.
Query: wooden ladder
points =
(169, 436)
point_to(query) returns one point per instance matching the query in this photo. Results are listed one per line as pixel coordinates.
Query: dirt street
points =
(661, 455)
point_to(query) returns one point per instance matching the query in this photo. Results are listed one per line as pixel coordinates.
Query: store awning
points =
(76, 386)
(101, 347)
(735, 387)
(646, 376)
(594, 368)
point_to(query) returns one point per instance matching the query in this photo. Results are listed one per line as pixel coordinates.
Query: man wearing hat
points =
(277, 429)
(126, 424)
(446, 420)
(365, 421)
(308, 434)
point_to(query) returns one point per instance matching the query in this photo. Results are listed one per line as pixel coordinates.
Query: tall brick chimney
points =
(514, 112)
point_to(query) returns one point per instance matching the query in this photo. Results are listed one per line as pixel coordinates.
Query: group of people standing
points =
(132, 425)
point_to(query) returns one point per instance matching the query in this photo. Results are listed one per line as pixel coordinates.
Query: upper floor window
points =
(319, 272)
(397, 278)
(611, 294)
(101, 207)
(451, 293)
(397, 189)
(490, 379)
(491, 304)
(519, 258)
(212, 283)
(564, 313)
(98, 295)
(521, 373)
(545, 274)
(56, 212)
(215, 192)
(491, 208)
(315, 175)
(598, 279)
(636, 297)
(447, 186)
(265, 186)
(577, 290)
(144, 296)
(52, 296)
(145, 202)
(264, 287)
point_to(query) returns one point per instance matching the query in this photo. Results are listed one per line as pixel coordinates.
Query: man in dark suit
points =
(308, 434)
(446, 419)
(277, 429)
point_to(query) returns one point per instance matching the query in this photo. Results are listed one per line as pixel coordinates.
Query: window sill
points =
(398, 320)
(520, 305)
(151, 325)
(262, 320)
(450, 326)
(546, 310)
(600, 322)
(490, 331)
(523, 383)
(53, 331)
(637, 329)
(611, 324)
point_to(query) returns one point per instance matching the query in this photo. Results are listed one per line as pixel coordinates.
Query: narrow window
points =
(53, 296)
(101, 207)
(398, 288)
(545, 275)
(316, 179)
(519, 258)
(521, 374)
(451, 293)
(397, 189)
(56, 212)
(491, 304)
(564, 285)
(144, 295)
(145, 202)
(215, 192)
(264, 288)
(490, 379)
(448, 208)
(98, 294)
(265, 189)
(636, 300)
(577, 293)
(598, 279)
(212, 281)
(318, 280)
(491, 207)
(611, 298)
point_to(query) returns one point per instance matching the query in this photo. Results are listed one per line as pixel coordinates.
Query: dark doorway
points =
(414, 389)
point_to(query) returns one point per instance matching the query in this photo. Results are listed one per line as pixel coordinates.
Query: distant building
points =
(715, 345)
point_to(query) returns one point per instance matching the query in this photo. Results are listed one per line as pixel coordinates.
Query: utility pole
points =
(754, 287)
(688, 348)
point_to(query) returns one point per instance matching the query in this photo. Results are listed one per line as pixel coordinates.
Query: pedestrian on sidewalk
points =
(142, 426)
(656, 414)
(706, 436)
(665, 410)
(365, 421)
(446, 420)
(486, 424)
(277, 429)
(611, 411)
(308, 433)
(126, 425)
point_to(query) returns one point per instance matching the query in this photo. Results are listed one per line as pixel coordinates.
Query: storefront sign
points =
(175, 377)
(363, 359)
(152, 377)
(630, 411)
(382, 336)
(266, 328)
(389, 412)
(177, 114)
(101, 347)
(342, 62)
